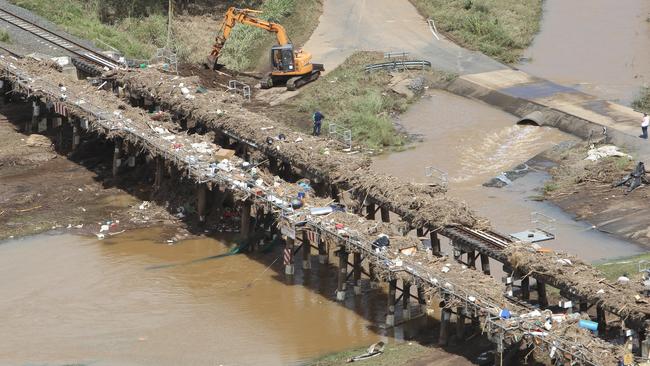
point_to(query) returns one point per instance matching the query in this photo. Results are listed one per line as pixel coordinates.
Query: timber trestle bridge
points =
(262, 178)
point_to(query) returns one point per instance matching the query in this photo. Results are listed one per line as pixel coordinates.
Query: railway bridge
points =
(73, 109)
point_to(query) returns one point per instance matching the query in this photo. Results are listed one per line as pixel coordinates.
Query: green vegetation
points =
(498, 28)
(394, 354)
(136, 37)
(138, 28)
(4, 36)
(359, 101)
(248, 46)
(642, 102)
(615, 268)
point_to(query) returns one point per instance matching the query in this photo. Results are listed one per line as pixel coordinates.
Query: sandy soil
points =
(42, 189)
(586, 191)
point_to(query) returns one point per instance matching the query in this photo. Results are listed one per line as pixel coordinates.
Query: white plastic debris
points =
(104, 228)
(144, 205)
(565, 262)
(623, 280)
(100, 236)
(600, 292)
(445, 269)
(605, 151)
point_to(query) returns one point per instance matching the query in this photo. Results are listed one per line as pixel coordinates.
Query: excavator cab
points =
(282, 58)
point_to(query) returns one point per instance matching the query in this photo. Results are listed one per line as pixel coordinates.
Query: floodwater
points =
(600, 46)
(72, 300)
(471, 143)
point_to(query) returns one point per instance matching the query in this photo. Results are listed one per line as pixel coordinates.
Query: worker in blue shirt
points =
(318, 121)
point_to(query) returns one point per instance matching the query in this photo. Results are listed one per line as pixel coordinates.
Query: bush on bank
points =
(501, 29)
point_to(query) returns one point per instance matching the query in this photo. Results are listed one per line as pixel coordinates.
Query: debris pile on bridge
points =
(572, 275)
(458, 285)
(315, 157)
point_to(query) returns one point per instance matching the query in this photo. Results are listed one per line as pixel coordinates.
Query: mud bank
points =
(585, 189)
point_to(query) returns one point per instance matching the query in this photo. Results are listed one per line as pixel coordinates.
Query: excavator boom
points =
(290, 67)
(244, 16)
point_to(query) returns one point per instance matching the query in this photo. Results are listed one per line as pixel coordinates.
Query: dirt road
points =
(387, 25)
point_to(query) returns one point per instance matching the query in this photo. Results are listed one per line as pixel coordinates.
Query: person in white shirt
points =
(644, 126)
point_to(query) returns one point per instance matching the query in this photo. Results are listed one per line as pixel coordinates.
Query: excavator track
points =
(298, 81)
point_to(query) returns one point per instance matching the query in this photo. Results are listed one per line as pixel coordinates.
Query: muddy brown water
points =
(68, 299)
(472, 142)
(600, 46)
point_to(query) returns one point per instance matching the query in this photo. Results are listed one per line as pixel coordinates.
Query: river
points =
(602, 47)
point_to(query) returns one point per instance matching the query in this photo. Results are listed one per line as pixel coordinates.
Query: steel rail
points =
(58, 40)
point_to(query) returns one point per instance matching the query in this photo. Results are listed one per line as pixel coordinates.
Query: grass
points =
(4, 36)
(359, 101)
(617, 267)
(501, 29)
(135, 37)
(642, 102)
(248, 47)
(394, 354)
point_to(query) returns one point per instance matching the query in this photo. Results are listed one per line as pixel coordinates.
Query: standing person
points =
(318, 121)
(644, 126)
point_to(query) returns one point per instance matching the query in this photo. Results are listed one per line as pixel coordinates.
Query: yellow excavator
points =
(289, 66)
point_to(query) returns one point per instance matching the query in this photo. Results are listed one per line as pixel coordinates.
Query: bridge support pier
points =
(306, 252)
(542, 300)
(485, 264)
(422, 301)
(117, 162)
(245, 227)
(460, 323)
(323, 257)
(343, 274)
(445, 318)
(525, 288)
(471, 259)
(201, 193)
(370, 211)
(385, 214)
(435, 244)
(36, 112)
(288, 257)
(406, 297)
(601, 319)
(357, 273)
(392, 290)
(159, 173)
(76, 136)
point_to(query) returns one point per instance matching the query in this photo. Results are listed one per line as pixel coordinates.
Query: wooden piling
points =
(460, 323)
(116, 157)
(159, 173)
(435, 244)
(370, 211)
(406, 297)
(525, 288)
(445, 318)
(343, 274)
(385, 214)
(306, 251)
(288, 256)
(76, 138)
(357, 273)
(201, 193)
(542, 300)
(392, 290)
(471, 259)
(323, 257)
(245, 227)
(422, 301)
(485, 264)
(601, 319)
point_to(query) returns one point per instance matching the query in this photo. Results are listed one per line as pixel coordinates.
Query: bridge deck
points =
(479, 294)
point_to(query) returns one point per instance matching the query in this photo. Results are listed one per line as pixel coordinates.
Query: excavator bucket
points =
(213, 58)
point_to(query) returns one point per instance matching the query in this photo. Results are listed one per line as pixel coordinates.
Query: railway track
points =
(485, 242)
(80, 51)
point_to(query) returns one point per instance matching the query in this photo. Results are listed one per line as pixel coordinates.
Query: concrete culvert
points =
(532, 119)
